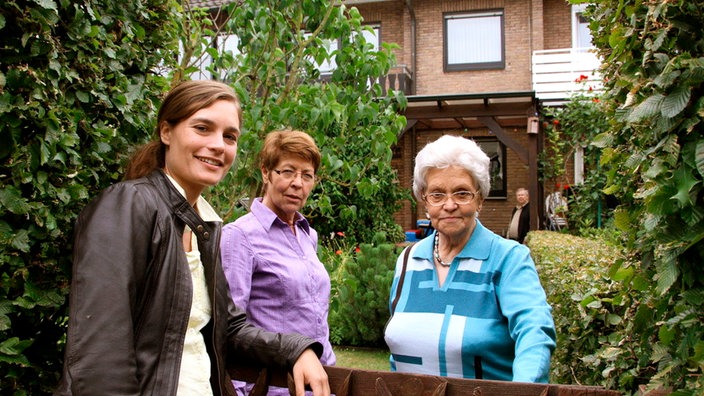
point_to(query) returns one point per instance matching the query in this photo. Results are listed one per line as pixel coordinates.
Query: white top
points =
(194, 377)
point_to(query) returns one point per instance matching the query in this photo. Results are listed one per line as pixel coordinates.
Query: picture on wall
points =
(497, 166)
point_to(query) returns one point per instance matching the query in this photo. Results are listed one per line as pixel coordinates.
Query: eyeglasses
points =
(459, 197)
(288, 174)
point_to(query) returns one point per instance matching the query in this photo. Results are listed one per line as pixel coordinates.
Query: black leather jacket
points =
(131, 296)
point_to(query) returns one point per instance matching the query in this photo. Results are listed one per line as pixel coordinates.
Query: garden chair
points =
(556, 212)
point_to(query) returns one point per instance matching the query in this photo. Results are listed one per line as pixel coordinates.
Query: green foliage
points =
(589, 307)
(355, 126)
(78, 87)
(361, 279)
(567, 129)
(653, 158)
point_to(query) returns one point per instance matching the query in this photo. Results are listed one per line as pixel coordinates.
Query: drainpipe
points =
(412, 13)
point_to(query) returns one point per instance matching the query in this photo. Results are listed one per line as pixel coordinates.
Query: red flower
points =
(556, 122)
(338, 251)
(581, 78)
(340, 233)
(357, 249)
(595, 100)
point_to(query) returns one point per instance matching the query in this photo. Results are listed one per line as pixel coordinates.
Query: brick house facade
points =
(491, 105)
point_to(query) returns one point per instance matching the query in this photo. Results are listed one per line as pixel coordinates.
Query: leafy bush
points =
(586, 307)
(568, 129)
(361, 279)
(652, 158)
(79, 83)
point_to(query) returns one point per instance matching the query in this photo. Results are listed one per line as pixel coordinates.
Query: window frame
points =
(580, 28)
(450, 67)
(329, 67)
(494, 148)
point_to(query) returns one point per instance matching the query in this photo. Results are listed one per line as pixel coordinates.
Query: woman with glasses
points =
(269, 255)
(466, 302)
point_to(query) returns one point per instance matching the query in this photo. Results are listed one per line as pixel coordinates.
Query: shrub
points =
(575, 274)
(79, 82)
(361, 279)
(652, 157)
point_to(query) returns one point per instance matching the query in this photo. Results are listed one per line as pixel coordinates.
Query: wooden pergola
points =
(495, 111)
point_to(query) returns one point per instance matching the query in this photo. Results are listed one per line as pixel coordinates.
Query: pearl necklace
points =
(437, 252)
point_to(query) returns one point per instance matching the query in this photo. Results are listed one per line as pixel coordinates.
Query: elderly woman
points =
(269, 255)
(466, 302)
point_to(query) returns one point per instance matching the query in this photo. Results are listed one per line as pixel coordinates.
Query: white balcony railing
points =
(556, 73)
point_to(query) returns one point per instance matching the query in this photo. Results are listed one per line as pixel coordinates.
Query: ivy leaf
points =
(11, 198)
(613, 319)
(14, 346)
(699, 351)
(21, 241)
(48, 4)
(699, 157)
(647, 108)
(666, 335)
(684, 181)
(621, 220)
(667, 275)
(676, 101)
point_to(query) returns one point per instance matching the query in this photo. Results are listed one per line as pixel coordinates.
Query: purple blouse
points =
(276, 276)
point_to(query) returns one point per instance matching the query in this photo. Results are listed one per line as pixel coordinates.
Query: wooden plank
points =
(567, 78)
(352, 382)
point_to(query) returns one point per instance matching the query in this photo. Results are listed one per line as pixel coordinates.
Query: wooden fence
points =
(352, 382)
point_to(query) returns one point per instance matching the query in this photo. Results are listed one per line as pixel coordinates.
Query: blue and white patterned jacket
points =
(489, 320)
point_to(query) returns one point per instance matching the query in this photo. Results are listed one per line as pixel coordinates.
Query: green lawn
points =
(362, 358)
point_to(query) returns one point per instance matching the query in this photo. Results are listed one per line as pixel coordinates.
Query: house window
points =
(496, 152)
(222, 43)
(333, 45)
(327, 66)
(581, 35)
(373, 36)
(474, 41)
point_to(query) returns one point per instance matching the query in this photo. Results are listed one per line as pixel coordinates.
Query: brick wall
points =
(558, 24)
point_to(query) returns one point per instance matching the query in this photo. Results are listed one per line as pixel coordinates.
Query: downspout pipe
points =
(412, 14)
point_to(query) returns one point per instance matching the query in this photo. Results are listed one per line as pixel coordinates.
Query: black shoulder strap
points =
(400, 279)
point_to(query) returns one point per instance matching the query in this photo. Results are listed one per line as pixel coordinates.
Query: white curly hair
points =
(452, 150)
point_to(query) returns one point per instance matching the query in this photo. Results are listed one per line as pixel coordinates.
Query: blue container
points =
(411, 236)
(423, 223)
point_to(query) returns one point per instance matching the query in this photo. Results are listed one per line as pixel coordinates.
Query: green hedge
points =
(588, 308)
(360, 279)
(78, 87)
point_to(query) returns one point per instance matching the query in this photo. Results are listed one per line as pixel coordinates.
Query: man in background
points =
(520, 217)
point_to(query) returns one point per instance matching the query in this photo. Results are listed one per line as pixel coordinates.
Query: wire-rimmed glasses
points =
(458, 197)
(290, 174)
